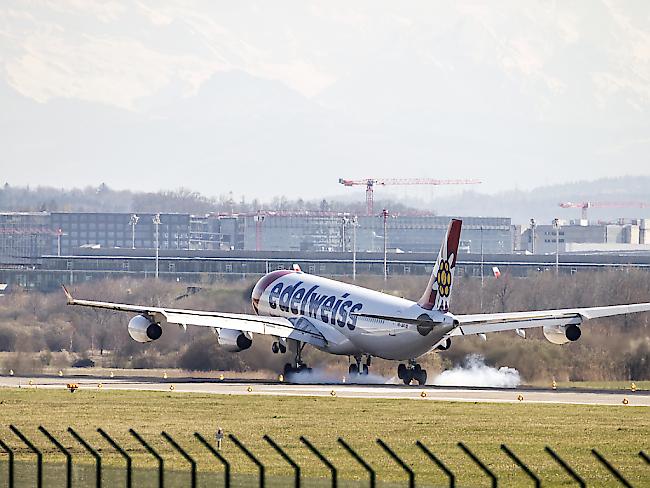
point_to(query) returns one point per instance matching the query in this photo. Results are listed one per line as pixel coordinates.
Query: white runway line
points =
(574, 397)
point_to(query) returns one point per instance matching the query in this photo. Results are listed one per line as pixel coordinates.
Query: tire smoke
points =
(474, 372)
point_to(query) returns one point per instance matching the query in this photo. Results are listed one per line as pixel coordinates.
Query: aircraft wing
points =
(495, 322)
(297, 329)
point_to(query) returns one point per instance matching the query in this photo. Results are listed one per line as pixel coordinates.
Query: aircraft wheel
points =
(408, 376)
(364, 369)
(288, 369)
(275, 348)
(416, 370)
(401, 371)
(422, 377)
(353, 369)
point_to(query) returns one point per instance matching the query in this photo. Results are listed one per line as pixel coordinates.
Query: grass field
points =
(616, 432)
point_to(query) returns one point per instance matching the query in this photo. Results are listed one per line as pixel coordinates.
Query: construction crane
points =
(370, 183)
(585, 205)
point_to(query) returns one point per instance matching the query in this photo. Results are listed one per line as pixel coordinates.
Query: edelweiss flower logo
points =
(443, 278)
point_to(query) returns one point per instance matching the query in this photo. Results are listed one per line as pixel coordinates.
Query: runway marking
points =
(564, 397)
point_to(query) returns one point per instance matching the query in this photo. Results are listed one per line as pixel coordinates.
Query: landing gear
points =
(357, 368)
(410, 372)
(298, 366)
(279, 346)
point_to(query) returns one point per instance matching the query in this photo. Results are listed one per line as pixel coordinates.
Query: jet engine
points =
(143, 329)
(561, 334)
(234, 340)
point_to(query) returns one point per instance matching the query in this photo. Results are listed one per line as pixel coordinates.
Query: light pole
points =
(482, 274)
(556, 224)
(156, 222)
(344, 222)
(533, 224)
(355, 223)
(132, 223)
(384, 214)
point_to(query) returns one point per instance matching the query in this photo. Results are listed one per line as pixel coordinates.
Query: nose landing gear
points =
(357, 368)
(412, 371)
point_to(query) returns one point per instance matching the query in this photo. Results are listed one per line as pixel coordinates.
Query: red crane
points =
(371, 182)
(585, 205)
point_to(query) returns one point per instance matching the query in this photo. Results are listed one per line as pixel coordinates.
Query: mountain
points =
(265, 100)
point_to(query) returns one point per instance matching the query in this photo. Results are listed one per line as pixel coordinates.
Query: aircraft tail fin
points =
(436, 296)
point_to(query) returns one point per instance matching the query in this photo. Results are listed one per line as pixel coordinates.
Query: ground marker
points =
(520, 397)
(72, 387)
(11, 372)
(281, 378)
(112, 374)
(60, 373)
(100, 386)
(221, 376)
(171, 387)
(633, 386)
(165, 375)
(554, 385)
(249, 389)
(333, 393)
(625, 401)
(31, 382)
(423, 394)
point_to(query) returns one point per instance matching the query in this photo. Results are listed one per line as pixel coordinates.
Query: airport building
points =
(581, 236)
(195, 267)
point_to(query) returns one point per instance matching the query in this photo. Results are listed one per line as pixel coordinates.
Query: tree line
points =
(38, 330)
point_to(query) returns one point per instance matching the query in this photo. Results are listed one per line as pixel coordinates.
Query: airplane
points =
(298, 308)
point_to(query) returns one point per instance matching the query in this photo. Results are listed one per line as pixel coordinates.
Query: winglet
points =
(68, 296)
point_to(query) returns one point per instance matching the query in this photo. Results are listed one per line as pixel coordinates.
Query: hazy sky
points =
(271, 98)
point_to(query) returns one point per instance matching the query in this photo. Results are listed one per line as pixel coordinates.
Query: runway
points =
(422, 393)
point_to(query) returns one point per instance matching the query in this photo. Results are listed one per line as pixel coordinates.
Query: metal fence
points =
(87, 475)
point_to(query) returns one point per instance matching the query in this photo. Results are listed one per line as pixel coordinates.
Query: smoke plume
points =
(474, 372)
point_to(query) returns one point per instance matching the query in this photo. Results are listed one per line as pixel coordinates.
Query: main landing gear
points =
(357, 368)
(298, 366)
(412, 371)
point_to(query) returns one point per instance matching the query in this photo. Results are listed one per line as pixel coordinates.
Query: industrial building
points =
(31, 235)
(582, 236)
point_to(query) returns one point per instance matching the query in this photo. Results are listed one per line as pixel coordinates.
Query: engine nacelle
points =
(561, 334)
(234, 340)
(143, 329)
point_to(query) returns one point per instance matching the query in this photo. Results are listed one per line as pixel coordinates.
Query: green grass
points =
(572, 430)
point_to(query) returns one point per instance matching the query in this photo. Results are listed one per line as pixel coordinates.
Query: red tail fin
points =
(438, 290)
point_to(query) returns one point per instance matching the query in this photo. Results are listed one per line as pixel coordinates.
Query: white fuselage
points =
(332, 307)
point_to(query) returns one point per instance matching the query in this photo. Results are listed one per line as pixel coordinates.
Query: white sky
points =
(271, 98)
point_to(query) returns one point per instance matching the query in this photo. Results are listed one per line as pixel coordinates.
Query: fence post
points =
(439, 463)
(10, 468)
(226, 464)
(521, 464)
(479, 463)
(399, 461)
(286, 457)
(124, 454)
(39, 455)
(184, 454)
(611, 468)
(91, 450)
(68, 456)
(161, 462)
(566, 467)
(250, 456)
(360, 460)
(323, 459)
